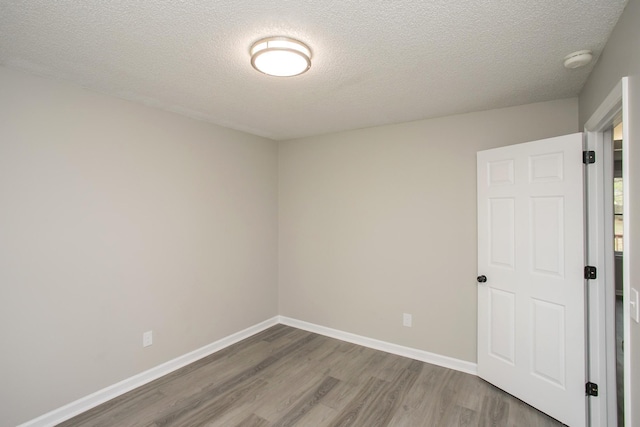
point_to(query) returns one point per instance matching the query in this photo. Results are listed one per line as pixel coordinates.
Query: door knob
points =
(482, 279)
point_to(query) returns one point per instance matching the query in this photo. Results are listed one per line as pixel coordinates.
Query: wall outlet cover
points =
(407, 320)
(147, 338)
(634, 305)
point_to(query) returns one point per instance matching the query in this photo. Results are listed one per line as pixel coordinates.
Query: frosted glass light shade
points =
(280, 56)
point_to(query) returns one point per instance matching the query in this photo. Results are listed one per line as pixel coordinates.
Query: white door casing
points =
(631, 267)
(531, 312)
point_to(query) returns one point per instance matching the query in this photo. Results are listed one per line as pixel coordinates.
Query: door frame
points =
(601, 354)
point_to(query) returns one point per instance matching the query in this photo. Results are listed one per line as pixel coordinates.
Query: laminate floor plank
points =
(276, 332)
(283, 394)
(321, 416)
(419, 401)
(382, 409)
(342, 395)
(238, 415)
(308, 402)
(346, 362)
(466, 417)
(282, 391)
(521, 414)
(495, 411)
(212, 409)
(194, 402)
(285, 376)
(371, 365)
(353, 413)
(389, 368)
(253, 421)
(221, 369)
(116, 413)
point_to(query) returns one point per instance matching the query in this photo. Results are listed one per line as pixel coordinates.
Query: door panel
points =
(547, 235)
(502, 232)
(548, 341)
(502, 330)
(531, 331)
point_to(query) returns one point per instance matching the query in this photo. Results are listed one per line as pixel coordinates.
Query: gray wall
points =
(620, 58)
(381, 221)
(116, 219)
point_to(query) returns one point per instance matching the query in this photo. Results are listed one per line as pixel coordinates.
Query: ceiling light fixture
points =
(577, 59)
(280, 56)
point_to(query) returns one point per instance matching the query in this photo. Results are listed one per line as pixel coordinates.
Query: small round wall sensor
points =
(577, 59)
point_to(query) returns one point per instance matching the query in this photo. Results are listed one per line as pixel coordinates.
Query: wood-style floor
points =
(288, 377)
(620, 360)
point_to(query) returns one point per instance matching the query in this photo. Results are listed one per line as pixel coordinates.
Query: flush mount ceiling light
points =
(280, 56)
(577, 59)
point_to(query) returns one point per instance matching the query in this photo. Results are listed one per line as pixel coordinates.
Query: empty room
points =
(383, 213)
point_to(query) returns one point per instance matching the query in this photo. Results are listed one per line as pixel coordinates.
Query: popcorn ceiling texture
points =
(374, 62)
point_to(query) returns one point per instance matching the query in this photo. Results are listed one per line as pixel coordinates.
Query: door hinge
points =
(592, 389)
(588, 157)
(590, 272)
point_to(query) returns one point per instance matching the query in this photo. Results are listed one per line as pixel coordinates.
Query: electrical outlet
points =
(406, 320)
(147, 338)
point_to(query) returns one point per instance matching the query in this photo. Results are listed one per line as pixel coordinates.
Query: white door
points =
(531, 315)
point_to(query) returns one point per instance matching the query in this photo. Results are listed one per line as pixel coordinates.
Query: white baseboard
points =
(84, 404)
(412, 353)
(91, 401)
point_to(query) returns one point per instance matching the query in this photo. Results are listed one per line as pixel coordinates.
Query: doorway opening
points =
(618, 247)
(601, 248)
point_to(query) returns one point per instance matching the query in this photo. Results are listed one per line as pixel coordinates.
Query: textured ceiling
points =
(374, 62)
